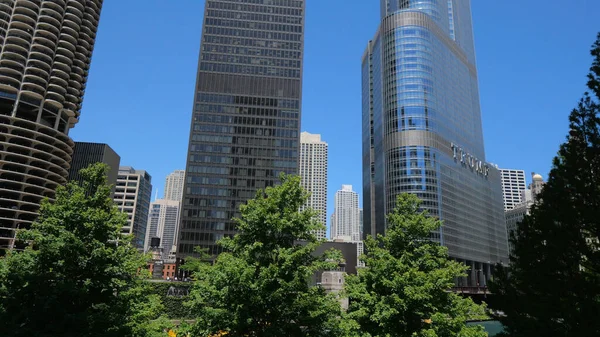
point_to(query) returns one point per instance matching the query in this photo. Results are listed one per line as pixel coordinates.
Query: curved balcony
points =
(45, 59)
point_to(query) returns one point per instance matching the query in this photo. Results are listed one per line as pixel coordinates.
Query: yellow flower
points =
(172, 333)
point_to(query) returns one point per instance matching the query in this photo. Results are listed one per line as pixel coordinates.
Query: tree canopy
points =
(552, 285)
(260, 286)
(77, 275)
(404, 288)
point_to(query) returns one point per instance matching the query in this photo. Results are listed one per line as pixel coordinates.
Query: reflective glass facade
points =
(422, 129)
(246, 117)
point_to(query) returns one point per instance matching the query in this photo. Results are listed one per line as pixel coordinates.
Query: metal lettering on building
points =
(469, 161)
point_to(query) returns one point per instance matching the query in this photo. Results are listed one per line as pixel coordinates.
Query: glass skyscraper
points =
(422, 130)
(246, 116)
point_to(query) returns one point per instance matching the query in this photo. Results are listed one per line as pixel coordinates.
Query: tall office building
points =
(132, 196)
(45, 52)
(86, 154)
(163, 222)
(174, 185)
(347, 215)
(313, 171)
(422, 130)
(246, 117)
(513, 182)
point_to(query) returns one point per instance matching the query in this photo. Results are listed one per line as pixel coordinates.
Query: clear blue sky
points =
(532, 57)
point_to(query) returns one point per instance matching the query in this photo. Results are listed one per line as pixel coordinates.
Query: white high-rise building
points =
(313, 171)
(163, 223)
(513, 182)
(174, 185)
(346, 224)
(132, 196)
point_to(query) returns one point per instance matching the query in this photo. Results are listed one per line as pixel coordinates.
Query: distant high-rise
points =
(132, 196)
(45, 52)
(313, 171)
(529, 196)
(246, 117)
(174, 185)
(513, 182)
(86, 154)
(162, 223)
(422, 131)
(347, 214)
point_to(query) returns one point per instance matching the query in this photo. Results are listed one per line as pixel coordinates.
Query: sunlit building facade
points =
(422, 131)
(45, 53)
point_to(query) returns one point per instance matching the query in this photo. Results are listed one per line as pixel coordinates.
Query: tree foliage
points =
(552, 285)
(260, 286)
(404, 288)
(77, 276)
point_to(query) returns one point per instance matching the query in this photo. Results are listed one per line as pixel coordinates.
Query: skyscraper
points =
(422, 130)
(513, 182)
(132, 196)
(174, 185)
(529, 196)
(313, 171)
(246, 116)
(162, 223)
(45, 52)
(86, 154)
(346, 221)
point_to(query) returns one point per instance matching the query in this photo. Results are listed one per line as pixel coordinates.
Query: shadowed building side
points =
(86, 154)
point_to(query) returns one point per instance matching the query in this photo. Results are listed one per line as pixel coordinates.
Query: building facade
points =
(132, 196)
(246, 117)
(515, 215)
(174, 185)
(513, 182)
(313, 171)
(163, 223)
(422, 131)
(45, 53)
(347, 215)
(86, 154)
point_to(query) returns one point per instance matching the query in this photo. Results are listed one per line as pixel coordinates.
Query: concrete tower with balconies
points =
(45, 52)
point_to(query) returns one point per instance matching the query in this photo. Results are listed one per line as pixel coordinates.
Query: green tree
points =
(404, 288)
(260, 286)
(77, 276)
(552, 285)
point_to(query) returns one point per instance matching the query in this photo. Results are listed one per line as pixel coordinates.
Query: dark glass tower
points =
(246, 116)
(422, 130)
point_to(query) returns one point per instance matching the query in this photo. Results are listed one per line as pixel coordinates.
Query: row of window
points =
(254, 25)
(266, 43)
(264, 52)
(282, 133)
(253, 34)
(235, 6)
(237, 110)
(248, 100)
(250, 70)
(246, 161)
(247, 121)
(258, 152)
(197, 236)
(296, 20)
(264, 142)
(261, 61)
